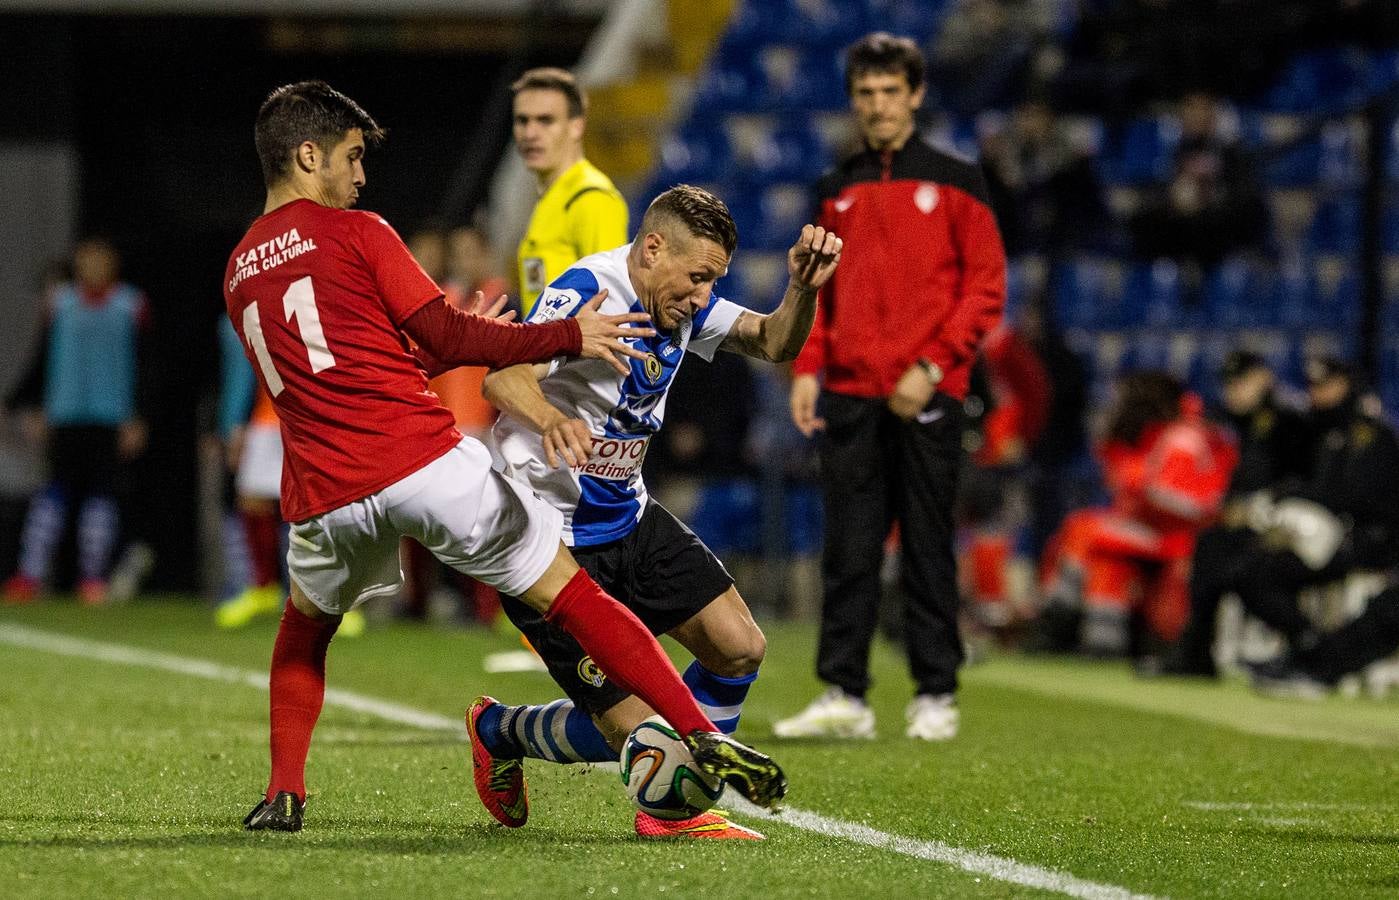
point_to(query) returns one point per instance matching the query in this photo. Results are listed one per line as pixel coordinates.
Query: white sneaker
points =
(932, 717)
(833, 714)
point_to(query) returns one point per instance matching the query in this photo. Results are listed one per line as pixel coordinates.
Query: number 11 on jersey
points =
(298, 301)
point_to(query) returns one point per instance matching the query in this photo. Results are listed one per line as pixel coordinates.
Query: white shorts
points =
(260, 465)
(471, 517)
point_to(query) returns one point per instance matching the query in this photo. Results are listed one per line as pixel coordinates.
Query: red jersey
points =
(317, 296)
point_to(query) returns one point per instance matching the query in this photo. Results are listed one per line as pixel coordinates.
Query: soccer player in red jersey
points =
(325, 301)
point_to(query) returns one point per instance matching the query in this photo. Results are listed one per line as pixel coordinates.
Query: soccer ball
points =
(661, 776)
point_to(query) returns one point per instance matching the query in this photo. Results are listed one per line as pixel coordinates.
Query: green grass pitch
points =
(119, 780)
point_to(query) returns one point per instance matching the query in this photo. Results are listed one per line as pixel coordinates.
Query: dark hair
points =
(551, 79)
(305, 111)
(883, 53)
(1143, 399)
(703, 215)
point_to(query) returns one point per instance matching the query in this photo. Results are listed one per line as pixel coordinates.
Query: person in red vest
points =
(1166, 470)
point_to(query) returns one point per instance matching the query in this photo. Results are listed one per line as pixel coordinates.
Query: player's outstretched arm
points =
(779, 337)
(449, 338)
(602, 335)
(515, 392)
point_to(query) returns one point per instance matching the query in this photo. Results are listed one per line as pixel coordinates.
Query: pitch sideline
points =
(997, 867)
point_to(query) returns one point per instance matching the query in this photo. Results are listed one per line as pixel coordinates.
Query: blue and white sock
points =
(97, 535)
(721, 698)
(43, 526)
(558, 732)
(237, 565)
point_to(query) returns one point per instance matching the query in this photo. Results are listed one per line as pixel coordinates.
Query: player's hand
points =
(603, 335)
(34, 427)
(569, 440)
(814, 257)
(805, 391)
(233, 448)
(911, 394)
(478, 306)
(131, 439)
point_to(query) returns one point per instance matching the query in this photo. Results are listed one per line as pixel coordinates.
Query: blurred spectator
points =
(90, 419)
(255, 457)
(1043, 188)
(1274, 450)
(21, 443)
(1166, 469)
(1315, 670)
(706, 436)
(1063, 440)
(983, 49)
(237, 386)
(1343, 517)
(463, 263)
(1212, 205)
(992, 495)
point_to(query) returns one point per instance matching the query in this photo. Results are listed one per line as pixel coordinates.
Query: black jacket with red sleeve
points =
(923, 272)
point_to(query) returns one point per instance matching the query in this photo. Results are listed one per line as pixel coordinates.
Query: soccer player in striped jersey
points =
(577, 433)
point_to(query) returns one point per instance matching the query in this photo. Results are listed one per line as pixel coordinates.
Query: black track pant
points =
(1265, 578)
(1368, 638)
(877, 469)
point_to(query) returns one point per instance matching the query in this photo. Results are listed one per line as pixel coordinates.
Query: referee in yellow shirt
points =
(579, 211)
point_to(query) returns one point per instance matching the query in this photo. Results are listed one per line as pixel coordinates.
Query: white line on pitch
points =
(1213, 806)
(997, 867)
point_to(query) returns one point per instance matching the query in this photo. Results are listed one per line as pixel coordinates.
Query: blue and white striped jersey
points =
(603, 499)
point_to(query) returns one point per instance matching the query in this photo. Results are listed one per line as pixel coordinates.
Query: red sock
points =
(264, 545)
(626, 651)
(297, 691)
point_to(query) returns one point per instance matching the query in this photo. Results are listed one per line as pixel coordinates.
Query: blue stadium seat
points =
(733, 81)
(1336, 228)
(1321, 79)
(727, 516)
(747, 214)
(1389, 373)
(756, 21)
(916, 18)
(1392, 159)
(1087, 294)
(793, 151)
(1141, 153)
(1298, 165)
(784, 209)
(821, 85)
(1335, 295)
(695, 154)
(1295, 299)
(1239, 293)
(805, 519)
(1154, 294)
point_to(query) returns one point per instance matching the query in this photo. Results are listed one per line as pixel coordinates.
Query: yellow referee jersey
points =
(580, 214)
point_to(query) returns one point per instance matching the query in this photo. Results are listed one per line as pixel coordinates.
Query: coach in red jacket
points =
(897, 330)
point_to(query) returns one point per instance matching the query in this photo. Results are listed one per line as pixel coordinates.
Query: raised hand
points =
(603, 335)
(814, 257)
